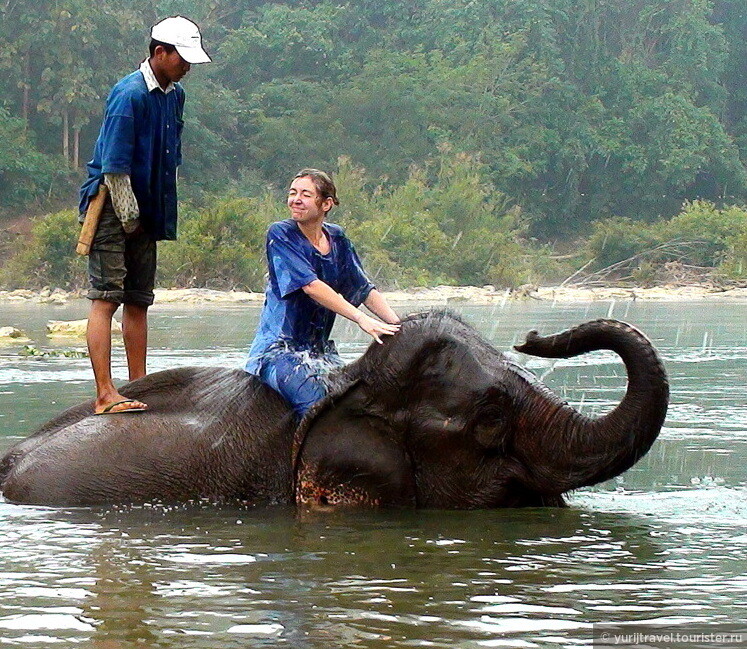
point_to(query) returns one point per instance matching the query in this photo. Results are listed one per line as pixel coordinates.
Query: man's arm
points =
(325, 295)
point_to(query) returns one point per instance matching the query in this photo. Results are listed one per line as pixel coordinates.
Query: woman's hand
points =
(376, 328)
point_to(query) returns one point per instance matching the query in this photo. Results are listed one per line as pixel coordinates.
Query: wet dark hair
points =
(322, 182)
(154, 44)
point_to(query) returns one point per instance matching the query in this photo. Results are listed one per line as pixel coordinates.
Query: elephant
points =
(435, 417)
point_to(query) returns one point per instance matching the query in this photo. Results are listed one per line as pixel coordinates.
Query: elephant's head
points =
(436, 417)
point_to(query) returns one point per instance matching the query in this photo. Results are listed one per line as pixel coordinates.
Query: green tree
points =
(25, 173)
(731, 16)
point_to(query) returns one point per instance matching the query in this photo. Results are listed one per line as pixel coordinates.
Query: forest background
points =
(473, 141)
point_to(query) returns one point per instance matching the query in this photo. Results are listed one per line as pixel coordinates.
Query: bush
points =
(515, 264)
(401, 252)
(616, 239)
(734, 265)
(220, 247)
(455, 228)
(48, 258)
(715, 233)
(701, 235)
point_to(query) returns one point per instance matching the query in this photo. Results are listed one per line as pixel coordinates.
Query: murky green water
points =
(666, 542)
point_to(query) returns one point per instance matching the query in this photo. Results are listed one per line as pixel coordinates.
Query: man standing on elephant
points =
(136, 156)
(314, 274)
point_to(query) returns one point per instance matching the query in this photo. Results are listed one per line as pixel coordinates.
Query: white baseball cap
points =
(184, 35)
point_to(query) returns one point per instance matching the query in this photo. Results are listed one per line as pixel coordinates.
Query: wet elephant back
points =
(210, 433)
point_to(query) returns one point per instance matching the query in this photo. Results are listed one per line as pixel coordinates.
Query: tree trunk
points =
(76, 147)
(26, 98)
(66, 134)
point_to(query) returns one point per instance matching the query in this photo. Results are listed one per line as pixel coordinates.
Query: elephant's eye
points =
(490, 422)
(490, 433)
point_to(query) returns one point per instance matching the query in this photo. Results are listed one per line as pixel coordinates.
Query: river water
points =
(665, 544)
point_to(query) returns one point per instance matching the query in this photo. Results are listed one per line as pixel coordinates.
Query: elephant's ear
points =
(336, 393)
(348, 452)
(362, 393)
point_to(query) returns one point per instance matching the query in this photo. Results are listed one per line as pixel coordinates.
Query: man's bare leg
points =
(135, 334)
(99, 339)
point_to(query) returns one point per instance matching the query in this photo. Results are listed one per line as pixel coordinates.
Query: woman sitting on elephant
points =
(314, 274)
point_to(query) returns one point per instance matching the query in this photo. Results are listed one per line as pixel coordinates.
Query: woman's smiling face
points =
(304, 201)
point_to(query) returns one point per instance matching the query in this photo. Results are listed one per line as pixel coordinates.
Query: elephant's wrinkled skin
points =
(435, 417)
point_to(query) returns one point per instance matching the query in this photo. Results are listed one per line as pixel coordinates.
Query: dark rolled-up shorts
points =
(121, 268)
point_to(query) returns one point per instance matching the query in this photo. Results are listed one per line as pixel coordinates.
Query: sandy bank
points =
(488, 295)
(435, 296)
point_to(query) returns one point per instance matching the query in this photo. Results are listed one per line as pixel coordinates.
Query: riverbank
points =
(433, 296)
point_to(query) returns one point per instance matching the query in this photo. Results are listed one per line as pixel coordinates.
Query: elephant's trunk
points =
(563, 449)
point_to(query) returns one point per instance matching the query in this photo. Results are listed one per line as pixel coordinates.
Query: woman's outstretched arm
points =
(325, 295)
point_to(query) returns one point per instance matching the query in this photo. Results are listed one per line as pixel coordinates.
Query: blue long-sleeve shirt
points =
(141, 136)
